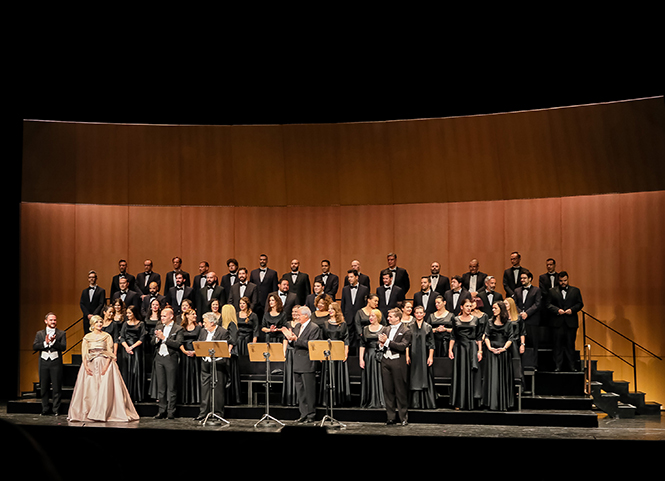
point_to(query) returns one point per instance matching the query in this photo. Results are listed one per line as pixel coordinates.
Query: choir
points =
(462, 318)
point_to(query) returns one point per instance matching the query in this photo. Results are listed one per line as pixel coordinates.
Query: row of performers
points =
(465, 338)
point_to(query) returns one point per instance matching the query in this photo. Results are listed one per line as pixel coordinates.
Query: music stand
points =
(212, 349)
(328, 351)
(265, 352)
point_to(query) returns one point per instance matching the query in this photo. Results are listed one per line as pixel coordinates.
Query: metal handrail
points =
(634, 344)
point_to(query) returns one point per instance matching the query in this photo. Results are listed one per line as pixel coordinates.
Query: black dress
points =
(279, 321)
(371, 383)
(422, 394)
(190, 370)
(289, 397)
(441, 339)
(498, 392)
(132, 366)
(340, 369)
(519, 328)
(248, 329)
(466, 387)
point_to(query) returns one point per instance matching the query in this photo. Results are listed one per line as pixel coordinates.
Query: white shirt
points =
(391, 335)
(163, 350)
(52, 354)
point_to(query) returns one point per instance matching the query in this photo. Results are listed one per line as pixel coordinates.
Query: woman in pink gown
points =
(100, 393)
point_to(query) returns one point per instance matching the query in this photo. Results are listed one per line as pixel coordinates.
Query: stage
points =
(171, 446)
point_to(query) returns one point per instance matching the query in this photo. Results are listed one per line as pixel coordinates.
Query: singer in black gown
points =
(466, 352)
(498, 384)
(371, 382)
(335, 329)
(132, 367)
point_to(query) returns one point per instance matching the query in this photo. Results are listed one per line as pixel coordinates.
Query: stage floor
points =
(640, 428)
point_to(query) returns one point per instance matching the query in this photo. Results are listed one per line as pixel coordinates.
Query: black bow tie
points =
(92, 288)
(263, 270)
(180, 288)
(354, 287)
(526, 288)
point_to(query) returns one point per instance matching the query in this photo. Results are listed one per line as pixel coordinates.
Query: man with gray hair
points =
(304, 369)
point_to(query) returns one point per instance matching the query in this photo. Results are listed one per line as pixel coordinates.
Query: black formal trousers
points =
(395, 388)
(50, 377)
(166, 373)
(219, 388)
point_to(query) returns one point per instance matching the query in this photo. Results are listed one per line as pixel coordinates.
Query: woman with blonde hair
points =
(518, 347)
(229, 321)
(100, 393)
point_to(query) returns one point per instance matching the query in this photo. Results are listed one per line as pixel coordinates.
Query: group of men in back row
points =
(552, 300)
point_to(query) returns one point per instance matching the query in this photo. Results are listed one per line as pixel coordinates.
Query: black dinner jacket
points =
(203, 306)
(173, 342)
(509, 284)
(145, 303)
(301, 361)
(531, 306)
(573, 301)
(448, 297)
(169, 280)
(59, 345)
(331, 286)
(362, 279)
(401, 279)
(431, 302)
(287, 307)
(544, 282)
(132, 298)
(94, 307)
(115, 283)
(220, 334)
(350, 308)
(397, 294)
(301, 287)
(400, 342)
(442, 285)
(172, 298)
(265, 287)
(251, 292)
(140, 282)
(487, 307)
(480, 281)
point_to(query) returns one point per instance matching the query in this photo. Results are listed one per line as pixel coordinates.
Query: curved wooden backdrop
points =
(83, 183)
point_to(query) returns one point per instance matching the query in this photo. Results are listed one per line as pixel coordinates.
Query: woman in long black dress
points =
(190, 364)
(442, 324)
(371, 382)
(419, 357)
(248, 326)
(361, 319)
(109, 325)
(336, 329)
(498, 393)
(229, 321)
(466, 352)
(132, 337)
(518, 347)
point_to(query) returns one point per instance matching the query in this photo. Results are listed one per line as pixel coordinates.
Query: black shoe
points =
(391, 422)
(160, 416)
(171, 416)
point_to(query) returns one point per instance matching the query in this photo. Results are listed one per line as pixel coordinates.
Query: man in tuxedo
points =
(123, 274)
(200, 280)
(438, 281)
(489, 296)
(298, 281)
(129, 297)
(548, 280)
(528, 299)
(400, 277)
(511, 276)
(243, 288)
(425, 297)
(169, 281)
(304, 369)
(211, 292)
(353, 299)
(231, 277)
(213, 332)
(153, 294)
(288, 298)
(93, 298)
(565, 301)
(456, 295)
(177, 293)
(167, 339)
(389, 293)
(317, 290)
(147, 277)
(474, 280)
(394, 340)
(266, 282)
(362, 278)
(50, 342)
(330, 281)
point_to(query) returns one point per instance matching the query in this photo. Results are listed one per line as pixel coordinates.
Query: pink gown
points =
(100, 397)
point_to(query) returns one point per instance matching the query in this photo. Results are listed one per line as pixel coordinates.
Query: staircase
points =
(615, 397)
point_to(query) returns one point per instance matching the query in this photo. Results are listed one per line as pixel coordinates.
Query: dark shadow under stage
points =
(441, 436)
